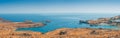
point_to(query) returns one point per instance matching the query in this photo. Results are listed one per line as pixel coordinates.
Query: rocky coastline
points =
(113, 21)
(8, 30)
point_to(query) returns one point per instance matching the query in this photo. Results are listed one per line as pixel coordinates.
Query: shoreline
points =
(8, 30)
(62, 32)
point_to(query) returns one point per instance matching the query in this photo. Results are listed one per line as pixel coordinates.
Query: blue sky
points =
(59, 6)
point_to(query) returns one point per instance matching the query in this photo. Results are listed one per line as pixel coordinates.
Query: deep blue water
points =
(57, 20)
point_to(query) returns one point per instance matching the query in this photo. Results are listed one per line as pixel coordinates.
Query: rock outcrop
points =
(83, 33)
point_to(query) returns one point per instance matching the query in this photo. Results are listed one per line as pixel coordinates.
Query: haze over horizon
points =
(59, 6)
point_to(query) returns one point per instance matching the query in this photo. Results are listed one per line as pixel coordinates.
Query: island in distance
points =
(8, 30)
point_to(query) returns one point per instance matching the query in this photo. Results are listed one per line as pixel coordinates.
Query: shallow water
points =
(57, 20)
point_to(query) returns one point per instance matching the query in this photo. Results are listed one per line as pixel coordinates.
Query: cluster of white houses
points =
(110, 21)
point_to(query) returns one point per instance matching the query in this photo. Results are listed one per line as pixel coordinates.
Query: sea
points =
(58, 21)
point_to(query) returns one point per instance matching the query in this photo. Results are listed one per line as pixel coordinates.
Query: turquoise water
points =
(57, 20)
